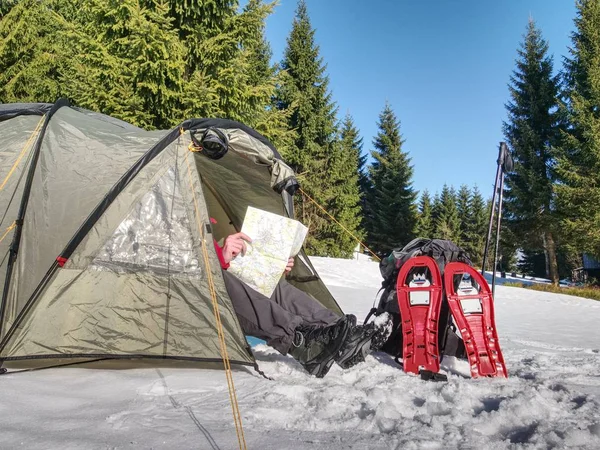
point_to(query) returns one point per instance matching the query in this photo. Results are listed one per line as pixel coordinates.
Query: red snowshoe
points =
(472, 308)
(419, 288)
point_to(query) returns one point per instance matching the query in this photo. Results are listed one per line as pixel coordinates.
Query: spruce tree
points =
(304, 90)
(392, 199)
(425, 227)
(270, 121)
(33, 50)
(151, 63)
(579, 161)
(345, 205)
(477, 227)
(447, 221)
(463, 206)
(532, 131)
(130, 62)
(436, 210)
(227, 70)
(364, 184)
(6, 6)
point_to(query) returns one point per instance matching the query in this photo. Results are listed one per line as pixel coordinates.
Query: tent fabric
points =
(16, 142)
(130, 270)
(116, 245)
(67, 185)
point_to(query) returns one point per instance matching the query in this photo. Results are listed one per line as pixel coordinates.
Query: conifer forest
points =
(155, 63)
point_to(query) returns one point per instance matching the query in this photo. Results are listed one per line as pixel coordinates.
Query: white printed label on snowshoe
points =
(419, 280)
(471, 306)
(467, 286)
(419, 298)
(467, 289)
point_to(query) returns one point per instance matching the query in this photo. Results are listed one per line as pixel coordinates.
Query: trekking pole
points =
(498, 223)
(505, 164)
(491, 222)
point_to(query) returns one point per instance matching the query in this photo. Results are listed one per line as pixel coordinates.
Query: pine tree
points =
(463, 206)
(532, 130)
(392, 200)
(304, 90)
(579, 162)
(447, 220)
(425, 220)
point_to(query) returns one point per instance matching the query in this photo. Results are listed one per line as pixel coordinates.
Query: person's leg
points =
(261, 317)
(301, 304)
(291, 322)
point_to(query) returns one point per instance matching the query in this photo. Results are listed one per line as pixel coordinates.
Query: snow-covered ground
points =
(551, 399)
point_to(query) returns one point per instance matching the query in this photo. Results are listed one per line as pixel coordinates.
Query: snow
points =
(551, 399)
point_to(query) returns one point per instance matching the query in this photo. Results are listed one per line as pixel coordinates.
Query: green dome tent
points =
(106, 243)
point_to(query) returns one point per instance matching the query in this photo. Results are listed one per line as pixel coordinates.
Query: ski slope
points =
(551, 344)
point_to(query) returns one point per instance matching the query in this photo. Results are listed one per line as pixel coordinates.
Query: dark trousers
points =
(275, 319)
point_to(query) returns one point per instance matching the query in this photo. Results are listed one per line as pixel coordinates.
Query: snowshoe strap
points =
(371, 312)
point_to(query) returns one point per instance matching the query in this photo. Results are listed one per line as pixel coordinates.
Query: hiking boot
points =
(363, 339)
(316, 346)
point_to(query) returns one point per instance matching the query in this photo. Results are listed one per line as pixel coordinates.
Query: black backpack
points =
(443, 252)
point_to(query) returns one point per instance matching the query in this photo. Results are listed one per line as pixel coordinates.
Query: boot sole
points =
(361, 350)
(369, 343)
(358, 356)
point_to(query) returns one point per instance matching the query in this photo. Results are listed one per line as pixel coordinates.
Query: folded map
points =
(274, 240)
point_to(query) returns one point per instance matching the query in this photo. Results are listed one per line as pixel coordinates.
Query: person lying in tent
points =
(294, 323)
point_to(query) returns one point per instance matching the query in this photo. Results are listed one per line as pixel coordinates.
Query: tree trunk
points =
(546, 257)
(550, 250)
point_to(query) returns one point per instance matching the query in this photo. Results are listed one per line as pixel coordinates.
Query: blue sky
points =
(443, 65)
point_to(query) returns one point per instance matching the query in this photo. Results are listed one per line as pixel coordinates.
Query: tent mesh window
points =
(155, 236)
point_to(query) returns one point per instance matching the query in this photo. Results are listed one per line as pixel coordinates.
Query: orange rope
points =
(237, 417)
(8, 230)
(20, 157)
(342, 226)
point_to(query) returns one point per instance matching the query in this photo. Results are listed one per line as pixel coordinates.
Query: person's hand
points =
(234, 245)
(290, 265)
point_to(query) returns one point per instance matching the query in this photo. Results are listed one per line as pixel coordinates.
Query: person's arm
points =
(233, 246)
(219, 250)
(236, 244)
(290, 265)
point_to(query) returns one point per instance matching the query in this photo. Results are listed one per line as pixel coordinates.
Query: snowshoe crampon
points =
(472, 308)
(419, 287)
